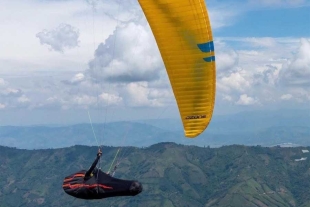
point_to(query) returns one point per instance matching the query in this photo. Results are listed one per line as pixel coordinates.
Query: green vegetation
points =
(172, 176)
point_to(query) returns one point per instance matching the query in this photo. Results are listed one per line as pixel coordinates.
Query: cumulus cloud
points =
(52, 102)
(227, 98)
(23, 99)
(297, 71)
(226, 60)
(11, 92)
(87, 96)
(286, 96)
(129, 55)
(76, 79)
(235, 81)
(83, 100)
(244, 77)
(221, 16)
(263, 67)
(2, 106)
(110, 99)
(266, 70)
(12, 97)
(140, 94)
(3, 82)
(63, 37)
(246, 100)
(266, 75)
(301, 95)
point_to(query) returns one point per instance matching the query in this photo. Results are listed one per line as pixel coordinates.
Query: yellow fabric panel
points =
(183, 34)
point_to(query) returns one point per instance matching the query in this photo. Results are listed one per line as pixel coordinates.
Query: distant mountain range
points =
(248, 128)
(172, 175)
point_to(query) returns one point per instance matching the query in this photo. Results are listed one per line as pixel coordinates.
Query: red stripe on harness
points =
(86, 186)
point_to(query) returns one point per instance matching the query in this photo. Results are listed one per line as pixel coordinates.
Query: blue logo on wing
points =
(207, 47)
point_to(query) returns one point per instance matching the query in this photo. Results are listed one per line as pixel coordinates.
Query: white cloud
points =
(11, 92)
(51, 103)
(125, 56)
(264, 70)
(226, 60)
(297, 71)
(2, 106)
(3, 82)
(227, 98)
(12, 97)
(76, 96)
(138, 94)
(76, 79)
(266, 75)
(70, 101)
(235, 81)
(222, 16)
(110, 99)
(301, 95)
(23, 99)
(246, 100)
(83, 100)
(286, 96)
(63, 37)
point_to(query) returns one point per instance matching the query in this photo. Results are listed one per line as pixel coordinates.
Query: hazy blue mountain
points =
(248, 128)
(243, 121)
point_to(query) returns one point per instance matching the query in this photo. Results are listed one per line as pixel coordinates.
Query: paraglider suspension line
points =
(97, 174)
(113, 160)
(93, 129)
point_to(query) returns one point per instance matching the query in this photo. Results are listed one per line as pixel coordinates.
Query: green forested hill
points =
(171, 174)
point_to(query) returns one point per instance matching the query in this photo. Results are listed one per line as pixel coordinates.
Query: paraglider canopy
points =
(183, 34)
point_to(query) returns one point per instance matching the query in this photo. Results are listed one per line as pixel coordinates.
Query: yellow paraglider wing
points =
(183, 34)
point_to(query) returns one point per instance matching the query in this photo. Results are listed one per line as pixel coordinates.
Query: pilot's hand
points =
(99, 152)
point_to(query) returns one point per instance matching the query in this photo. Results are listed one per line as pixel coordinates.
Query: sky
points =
(72, 61)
